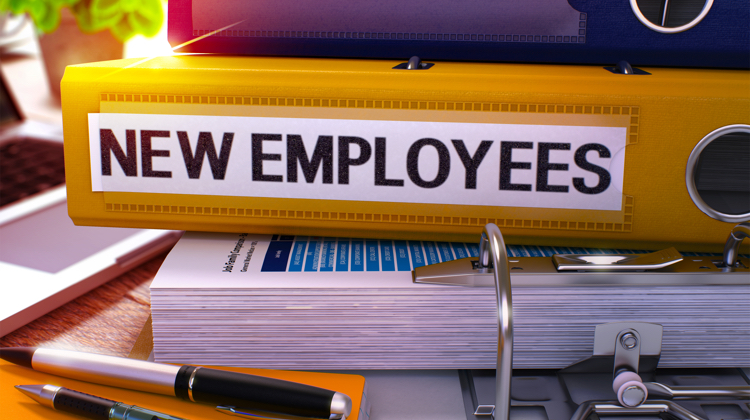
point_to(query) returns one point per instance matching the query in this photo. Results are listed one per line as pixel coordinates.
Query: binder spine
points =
(650, 204)
(697, 34)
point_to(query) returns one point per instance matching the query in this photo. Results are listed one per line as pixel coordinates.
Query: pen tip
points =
(18, 355)
(30, 390)
(38, 393)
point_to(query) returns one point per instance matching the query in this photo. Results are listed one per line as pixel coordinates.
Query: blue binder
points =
(711, 34)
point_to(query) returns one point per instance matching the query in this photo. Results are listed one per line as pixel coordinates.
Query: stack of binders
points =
(638, 138)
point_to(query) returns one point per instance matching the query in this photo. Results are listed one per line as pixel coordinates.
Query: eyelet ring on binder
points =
(414, 63)
(693, 167)
(665, 29)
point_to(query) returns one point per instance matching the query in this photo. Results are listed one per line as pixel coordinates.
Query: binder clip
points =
(625, 355)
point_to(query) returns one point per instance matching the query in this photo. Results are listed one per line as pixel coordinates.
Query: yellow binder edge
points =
(322, 211)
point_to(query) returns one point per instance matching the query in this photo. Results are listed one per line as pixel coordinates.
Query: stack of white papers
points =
(288, 302)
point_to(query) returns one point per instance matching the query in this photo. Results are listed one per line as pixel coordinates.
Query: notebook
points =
(45, 260)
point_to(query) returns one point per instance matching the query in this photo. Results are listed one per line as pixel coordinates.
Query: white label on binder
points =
(518, 165)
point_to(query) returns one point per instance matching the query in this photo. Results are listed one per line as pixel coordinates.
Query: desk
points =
(106, 320)
(109, 319)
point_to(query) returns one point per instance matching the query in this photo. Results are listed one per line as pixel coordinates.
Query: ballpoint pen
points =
(192, 383)
(245, 414)
(74, 402)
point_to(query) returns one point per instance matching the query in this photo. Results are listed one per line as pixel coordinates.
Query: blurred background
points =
(38, 38)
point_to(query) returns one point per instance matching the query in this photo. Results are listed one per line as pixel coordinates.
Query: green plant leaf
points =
(128, 6)
(36, 9)
(49, 22)
(122, 31)
(19, 6)
(83, 17)
(104, 9)
(104, 22)
(147, 20)
(89, 22)
(124, 18)
(45, 16)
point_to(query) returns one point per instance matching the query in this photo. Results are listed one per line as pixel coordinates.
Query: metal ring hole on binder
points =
(670, 16)
(414, 63)
(623, 67)
(718, 174)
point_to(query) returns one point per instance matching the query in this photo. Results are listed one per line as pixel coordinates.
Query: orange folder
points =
(15, 405)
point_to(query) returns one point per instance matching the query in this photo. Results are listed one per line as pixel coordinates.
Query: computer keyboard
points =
(29, 166)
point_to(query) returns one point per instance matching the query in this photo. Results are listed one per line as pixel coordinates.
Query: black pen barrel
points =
(256, 392)
(81, 404)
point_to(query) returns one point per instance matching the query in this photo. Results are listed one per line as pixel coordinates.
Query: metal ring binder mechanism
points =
(734, 241)
(625, 354)
(492, 245)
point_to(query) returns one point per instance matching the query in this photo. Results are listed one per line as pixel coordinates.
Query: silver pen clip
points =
(239, 412)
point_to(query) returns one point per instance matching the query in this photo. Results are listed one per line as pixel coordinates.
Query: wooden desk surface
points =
(106, 320)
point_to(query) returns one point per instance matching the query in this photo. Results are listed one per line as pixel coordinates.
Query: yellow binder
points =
(573, 155)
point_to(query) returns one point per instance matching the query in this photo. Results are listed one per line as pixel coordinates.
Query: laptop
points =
(45, 260)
